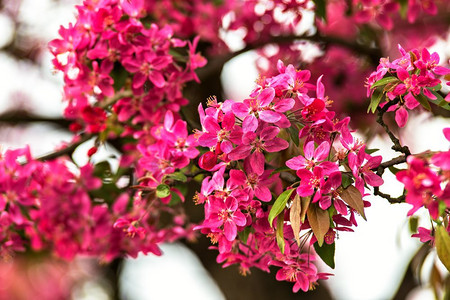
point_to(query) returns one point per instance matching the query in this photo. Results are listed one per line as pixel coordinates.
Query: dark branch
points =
(392, 200)
(68, 150)
(22, 116)
(373, 54)
(397, 146)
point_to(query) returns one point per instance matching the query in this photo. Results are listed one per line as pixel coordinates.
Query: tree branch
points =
(373, 54)
(66, 150)
(397, 146)
(392, 200)
(15, 117)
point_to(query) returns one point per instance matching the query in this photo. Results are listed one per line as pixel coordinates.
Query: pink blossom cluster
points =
(172, 149)
(408, 79)
(54, 206)
(427, 184)
(111, 41)
(124, 78)
(247, 141)
(384, 11)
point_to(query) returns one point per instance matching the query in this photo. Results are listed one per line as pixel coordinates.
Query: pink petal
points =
(240, 152)
(250, 123)
(269, 133)
(157, 78)
(229, 230)
(309, 150)
(296, 163)
(322, 151)
(239, 218)
(284, 105)
(401, 116)
(269, 116)
(275, 145)
(240, 109)
(226, 146)
(211, 124)
(208, 140)
(266, 96)
(263, 193)
(257, 160)
(238, 177)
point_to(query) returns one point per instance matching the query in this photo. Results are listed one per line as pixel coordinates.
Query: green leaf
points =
(435, 88)
(279, 233)
(438, 99)
(119, 75)
(279, 204)
(177, 176)
(162, 191)
(423, 101)
(281, 169)
(293, 132)
(403, 8)
(394, 170)
(326, 253)
(243, 235)
(102, 169)
(443, 245)
(384, 81)
(370, 151)
(413, 224)
(175, 199)
(347, 180)
(321, 9)
(375, 100)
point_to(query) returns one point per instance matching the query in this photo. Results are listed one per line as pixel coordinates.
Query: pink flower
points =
(422, 184)
(254, 183)
(312, 158)
(226, 214)
(253, 144)
(424, 235)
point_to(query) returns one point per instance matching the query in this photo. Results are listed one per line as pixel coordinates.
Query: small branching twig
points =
(392, 200)
(397, 146)
(68, 150)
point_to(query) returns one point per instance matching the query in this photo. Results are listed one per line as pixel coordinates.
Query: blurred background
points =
(374, 262)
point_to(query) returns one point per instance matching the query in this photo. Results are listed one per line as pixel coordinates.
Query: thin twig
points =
(66, 150)
(392, 200)
(397, 146)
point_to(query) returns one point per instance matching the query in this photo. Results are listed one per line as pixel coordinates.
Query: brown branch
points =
(392, 200)
(68, 150)
(395, 161)
(15, 117)
(397, 146)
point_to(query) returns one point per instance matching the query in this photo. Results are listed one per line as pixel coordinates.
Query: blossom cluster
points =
(55, 206)
(409, 80)
(247, 141)
(110, 42)
(124, 78)
(427, 185)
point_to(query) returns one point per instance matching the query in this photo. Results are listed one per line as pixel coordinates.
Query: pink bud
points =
(207, 161)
